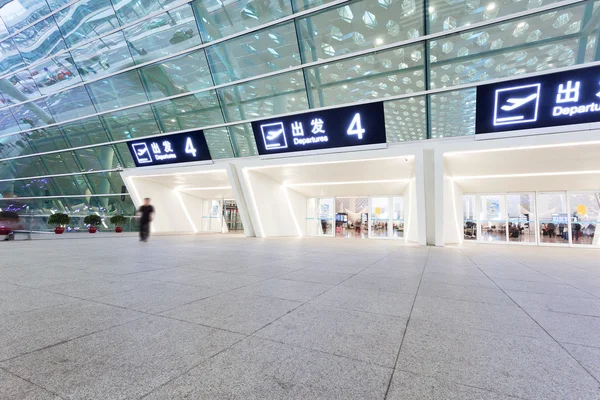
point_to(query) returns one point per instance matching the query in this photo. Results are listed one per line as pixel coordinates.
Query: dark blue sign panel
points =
(170, 149)
(358, 125)
(562, 98)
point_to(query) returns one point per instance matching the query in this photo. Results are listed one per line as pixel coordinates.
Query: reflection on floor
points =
(224, 317)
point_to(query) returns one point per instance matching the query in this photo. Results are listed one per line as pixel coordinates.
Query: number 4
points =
(355, 127)
(189, 147)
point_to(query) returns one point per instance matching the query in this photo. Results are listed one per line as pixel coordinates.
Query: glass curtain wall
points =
(92, 73)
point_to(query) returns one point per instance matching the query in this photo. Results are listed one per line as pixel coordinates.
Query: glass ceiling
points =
(92, 72)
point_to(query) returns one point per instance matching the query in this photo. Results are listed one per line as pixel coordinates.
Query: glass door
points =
(492, 218)
(469, 217)
(553, 225)
(379, 218)
(585, 215)
(325, 216)
(521, 217)
(398, 217)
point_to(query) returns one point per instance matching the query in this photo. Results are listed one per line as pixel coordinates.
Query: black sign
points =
(358, 125)
(170, 149)
(563, 98)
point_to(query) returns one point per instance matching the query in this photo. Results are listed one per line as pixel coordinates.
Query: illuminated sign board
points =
(562, 98)
(170, 149)
(358, 125)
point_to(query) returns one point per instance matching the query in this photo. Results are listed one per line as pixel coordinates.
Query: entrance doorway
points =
(231, 217)
(351, 217)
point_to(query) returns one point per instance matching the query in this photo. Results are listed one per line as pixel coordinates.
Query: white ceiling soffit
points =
(225, 192)
(206, 179)
(357, 170)
(530, 183)
(353, 189)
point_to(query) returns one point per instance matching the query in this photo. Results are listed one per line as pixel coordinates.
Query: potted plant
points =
(7, 220)
(92, 220)
(59, 220)
(118, 221)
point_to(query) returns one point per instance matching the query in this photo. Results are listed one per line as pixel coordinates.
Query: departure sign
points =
(170, 149)
(563, 98)
(358, 125)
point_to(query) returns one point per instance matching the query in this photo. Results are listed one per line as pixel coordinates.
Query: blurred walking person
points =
(146, 215)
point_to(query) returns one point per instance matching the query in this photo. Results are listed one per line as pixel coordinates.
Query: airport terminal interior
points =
(350, 199)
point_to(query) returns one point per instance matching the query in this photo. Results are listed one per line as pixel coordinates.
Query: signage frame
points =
(174, 149)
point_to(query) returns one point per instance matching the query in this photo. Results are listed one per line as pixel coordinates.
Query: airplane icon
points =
(271, 135)
(516, 103)
(274, 136)
(141, 153)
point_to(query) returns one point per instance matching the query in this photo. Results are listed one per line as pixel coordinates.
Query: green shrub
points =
(92, 220)
(59, 219)
(118, 220)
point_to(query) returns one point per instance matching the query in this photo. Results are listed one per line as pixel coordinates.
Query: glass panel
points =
(32, 114)
(14, 146)
(358, 26)
(189, 112)
(242, 140)
(131, 123)
(469, 221)
(97, 158)
(507, 49)
(219, 143)
(117, 91)
(21, 167)
(105, 183)
(70, 104)
(131, 10)
(372, 76)
(21, 86)
(300, 5)
(265, 51)
(492, 216)
(53, 75)
(18, 14)
(85, 132)
(8, 124)
(380, 217)
(11, 59)
(264, 97)
(553, 217)
(405, 119)
(445, 15)
(101, 57)
(60, 185)
(453, 113)
(585, 217)
(40, 41)
(521, 217)
(325, 210)
(398, 216)
(163, 35)
(46, 139)
(218, 20)
(176, 76)
(85, 20)
(60, 163)
(124, 155)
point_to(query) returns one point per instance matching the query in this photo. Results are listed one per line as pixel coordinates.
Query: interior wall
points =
(273, 209)
(411, 212)
(310, 224)
(297, 206)
(453, 212)
(193, 206)
(169, 215)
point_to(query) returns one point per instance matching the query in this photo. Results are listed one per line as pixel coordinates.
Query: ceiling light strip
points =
(528, 175)
(204, 188)
(292, 185)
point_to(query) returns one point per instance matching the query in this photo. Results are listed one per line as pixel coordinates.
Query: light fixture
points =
(491, 6)
(357, 65)
(521, 24)
(379, 41)
(528, 175)
(346, 183)
(431, 9)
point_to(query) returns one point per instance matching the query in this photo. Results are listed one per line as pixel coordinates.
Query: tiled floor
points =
(223, 317)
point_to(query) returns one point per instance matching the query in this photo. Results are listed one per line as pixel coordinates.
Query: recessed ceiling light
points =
(379, 41)
(491, 6)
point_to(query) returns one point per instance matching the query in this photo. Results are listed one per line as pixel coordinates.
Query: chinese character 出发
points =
(167, 146)
(155, 148)
(297, 129)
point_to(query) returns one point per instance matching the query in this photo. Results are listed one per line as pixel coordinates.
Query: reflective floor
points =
(224, 317)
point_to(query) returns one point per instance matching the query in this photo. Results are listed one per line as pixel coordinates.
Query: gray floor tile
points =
(266, 271)
(338, 267)
(15, 388)
(374, 301)
(549, 302)
(285, 289)
(460, 314)
(158, 297)
(25, 300)
(123, 362)
(9, 287)
(174, 274)
(588, 356)
(465, 293)
(569, 328)
(540, 287)
(224, 281)
(22, 333)
(464, 280)
(532, 368)
(518, 272)
(90, 289)
(410, 386)
(362, 336)
(256, 369)
(237, 312)
(325, 277)
(407, 285)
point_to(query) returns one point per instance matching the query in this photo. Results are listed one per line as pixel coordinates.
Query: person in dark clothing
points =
(146, 215)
